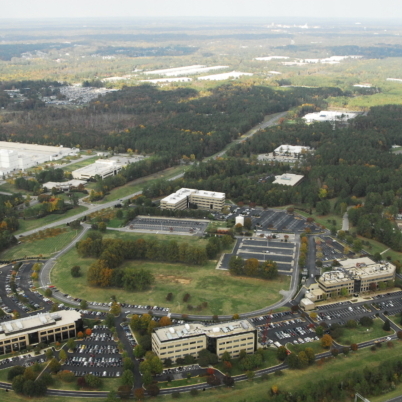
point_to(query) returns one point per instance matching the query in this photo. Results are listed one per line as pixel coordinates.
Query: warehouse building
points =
(205, 200)
(105, 167)
(29, 331)
(356, 275)
(330, 116)
(188, 339)
(18, 156)
(288, 179)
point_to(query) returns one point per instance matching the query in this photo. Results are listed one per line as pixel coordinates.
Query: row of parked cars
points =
(96, 373)
(94, 361)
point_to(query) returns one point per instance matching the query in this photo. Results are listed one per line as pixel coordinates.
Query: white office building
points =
(328, 115)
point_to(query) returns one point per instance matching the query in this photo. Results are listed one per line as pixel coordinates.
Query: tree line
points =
(149, 120)
(111, 253)
(253, 268)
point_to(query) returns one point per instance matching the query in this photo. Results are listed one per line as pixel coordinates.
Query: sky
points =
(358, 9)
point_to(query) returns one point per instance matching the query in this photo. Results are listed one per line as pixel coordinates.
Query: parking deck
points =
(283, 253)
(168, 225)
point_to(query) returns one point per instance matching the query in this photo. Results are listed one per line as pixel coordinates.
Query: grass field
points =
(362, 334)
(316, 346)
(223, 293)
(137, 185)
(80, 164)
(396, 319)
(325, 220)
(44, 247)
(10, 188)
(37, 223)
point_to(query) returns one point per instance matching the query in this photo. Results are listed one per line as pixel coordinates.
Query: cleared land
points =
(45, 246)
(362, 334)
(223, 293)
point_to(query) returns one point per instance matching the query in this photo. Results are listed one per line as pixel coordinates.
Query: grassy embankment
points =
(44, 247)
(38, 223)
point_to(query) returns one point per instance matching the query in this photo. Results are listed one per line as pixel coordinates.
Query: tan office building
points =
(205, 200)
(29, 331)
(356, 275)
(188, 339)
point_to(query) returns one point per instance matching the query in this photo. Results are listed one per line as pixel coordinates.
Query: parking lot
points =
(97, 354)
(331, 250)
(263, 249)
(168, 225)
(341, 312)
(274, 220)
(281, 328)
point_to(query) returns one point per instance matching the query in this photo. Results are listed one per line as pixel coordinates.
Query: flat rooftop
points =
(360, 270)
(292, 149)
(288, 179)
(35, 322)
(23, 148)
(186, 192)
(214, 331)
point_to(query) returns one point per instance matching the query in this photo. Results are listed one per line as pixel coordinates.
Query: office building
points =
(46, 328)
(205, 200)
(188, 339)
(356, 276)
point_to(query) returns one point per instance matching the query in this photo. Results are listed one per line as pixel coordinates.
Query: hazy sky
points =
(358, 9)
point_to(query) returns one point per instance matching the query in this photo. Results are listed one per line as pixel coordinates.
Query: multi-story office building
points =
(356, 275)
(206, 200)
(29, 331)
(189, 339)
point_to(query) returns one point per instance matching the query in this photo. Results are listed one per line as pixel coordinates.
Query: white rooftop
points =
(224, 76)
(291, 149)
(30, 323)
(214, 331)
(186, 192)
(288, 179)
(329, 115)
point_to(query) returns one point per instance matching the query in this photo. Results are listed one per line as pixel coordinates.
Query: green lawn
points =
(396, 319)
(37, 223)
(115, 234)
(362, 334)
(325, 220)
(316, 346)
(182, 382)
(10, 188)
(138, 184)
(44, 247)
(80, 164)
(223, 293)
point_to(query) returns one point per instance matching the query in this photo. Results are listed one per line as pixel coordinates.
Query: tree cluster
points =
(253, 268)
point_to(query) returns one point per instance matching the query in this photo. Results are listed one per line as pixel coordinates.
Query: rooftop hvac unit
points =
(171, 330)
(244, 325)
(215, 329)
(187, 326)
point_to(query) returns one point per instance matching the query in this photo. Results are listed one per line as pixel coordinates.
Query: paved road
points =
(44, 277)
(269, 123)
(345, 222)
